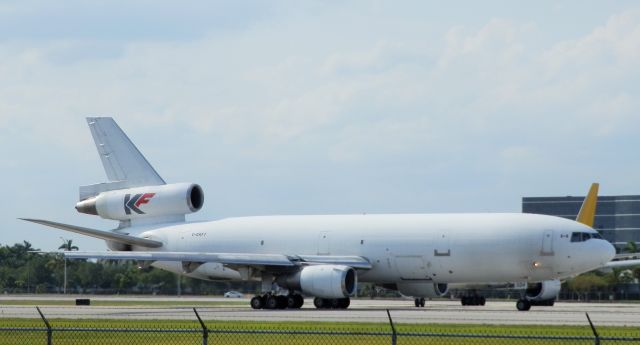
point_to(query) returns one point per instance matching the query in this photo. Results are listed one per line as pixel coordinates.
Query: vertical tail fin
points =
(587, 212)
(121, 159)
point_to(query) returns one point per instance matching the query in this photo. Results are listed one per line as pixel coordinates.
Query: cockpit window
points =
(584, 236)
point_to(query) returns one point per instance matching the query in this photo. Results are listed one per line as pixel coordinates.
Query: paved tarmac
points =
(402, 311)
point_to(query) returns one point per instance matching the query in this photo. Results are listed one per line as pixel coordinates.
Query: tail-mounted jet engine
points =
(140, 202)
(325, 281)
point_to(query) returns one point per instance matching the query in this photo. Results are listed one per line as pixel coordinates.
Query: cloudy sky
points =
(291, 107)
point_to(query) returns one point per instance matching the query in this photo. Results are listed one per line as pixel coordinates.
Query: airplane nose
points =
(609, 252)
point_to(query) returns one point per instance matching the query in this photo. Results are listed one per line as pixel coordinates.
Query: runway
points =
(402, 311)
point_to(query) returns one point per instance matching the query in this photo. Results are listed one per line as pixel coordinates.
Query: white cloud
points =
(314, 88)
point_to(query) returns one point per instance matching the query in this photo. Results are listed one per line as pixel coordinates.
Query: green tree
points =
(585, 283)
(68, 245)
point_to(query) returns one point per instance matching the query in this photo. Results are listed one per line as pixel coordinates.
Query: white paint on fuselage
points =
(443, 248)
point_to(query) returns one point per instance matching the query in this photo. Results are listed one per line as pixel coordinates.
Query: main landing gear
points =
(473, 300)
(525, 304)
(331, 303)
(270, 301)
(419, 302)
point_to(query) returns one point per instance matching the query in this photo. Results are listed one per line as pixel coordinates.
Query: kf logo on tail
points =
(133, 203)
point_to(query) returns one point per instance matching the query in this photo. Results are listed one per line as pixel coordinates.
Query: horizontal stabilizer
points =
(105, 235)
(242, 259)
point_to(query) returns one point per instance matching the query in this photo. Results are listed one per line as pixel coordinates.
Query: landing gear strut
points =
(270, 301)
(419, 302)
(331, 303)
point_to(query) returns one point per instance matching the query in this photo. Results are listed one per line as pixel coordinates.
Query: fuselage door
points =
(412, 267)
(547, 243)
(323, 243)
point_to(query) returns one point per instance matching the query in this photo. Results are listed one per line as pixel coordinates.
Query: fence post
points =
(46, 323)
(205, 331)
(394, 335)
(593, 329)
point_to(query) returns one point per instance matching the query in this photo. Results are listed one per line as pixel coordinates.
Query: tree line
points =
(24, 269)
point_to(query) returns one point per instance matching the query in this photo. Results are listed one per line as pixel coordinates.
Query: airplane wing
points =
(104, 235)
(622, 263)
(232, 259)
(627, 256)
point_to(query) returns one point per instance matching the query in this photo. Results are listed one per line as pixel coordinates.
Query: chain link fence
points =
(199, 331)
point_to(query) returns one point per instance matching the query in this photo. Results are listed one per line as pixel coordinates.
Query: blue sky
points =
(290, 107)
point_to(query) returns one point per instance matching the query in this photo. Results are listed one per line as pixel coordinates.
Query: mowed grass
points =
(260, 332)
(129, 303)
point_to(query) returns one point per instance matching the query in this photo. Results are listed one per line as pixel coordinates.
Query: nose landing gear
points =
(419, 302)
(523, 305)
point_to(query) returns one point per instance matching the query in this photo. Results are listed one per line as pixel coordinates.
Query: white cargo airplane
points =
(419, 255)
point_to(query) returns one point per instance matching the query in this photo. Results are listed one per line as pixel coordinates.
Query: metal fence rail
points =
(200, 333)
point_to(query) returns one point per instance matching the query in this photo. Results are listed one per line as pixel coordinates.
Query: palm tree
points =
(68, 245)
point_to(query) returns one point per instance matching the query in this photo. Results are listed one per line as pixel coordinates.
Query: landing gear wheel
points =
(299, 301)
(483, 300)
(257, 302)
(416, 302)
(421, 302)
(334, 303)
(319, 303)
(523, 305)
(282, 302)
(294, 301)
(271, 302)
(343, 303)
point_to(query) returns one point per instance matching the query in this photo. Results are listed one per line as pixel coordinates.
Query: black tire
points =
(282, 302)
(319, 302)
(523, 305)
(422, 302)
(334, 303)
(271, 302)
(291, 302)
(343, 303)
(299, 301)
(417, 302)
(257, 302)
(483, 300)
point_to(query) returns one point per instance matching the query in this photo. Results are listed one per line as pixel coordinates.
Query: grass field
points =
(189, 332)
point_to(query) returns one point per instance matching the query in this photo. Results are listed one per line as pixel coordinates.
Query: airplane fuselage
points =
(440, 248)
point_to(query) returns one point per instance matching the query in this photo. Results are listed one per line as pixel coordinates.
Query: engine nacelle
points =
(420, 289)
(546, 290)
(325, 281)
(140, 202)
